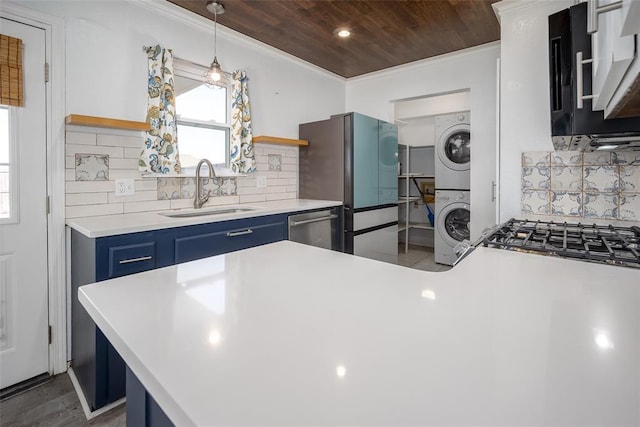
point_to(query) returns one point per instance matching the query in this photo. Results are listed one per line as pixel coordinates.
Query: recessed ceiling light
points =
(342, 32)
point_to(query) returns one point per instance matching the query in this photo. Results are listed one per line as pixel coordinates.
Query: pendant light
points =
(214, 76)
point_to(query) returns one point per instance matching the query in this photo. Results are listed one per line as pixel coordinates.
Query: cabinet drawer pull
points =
(309, 221)
(142, 258)
(239, 233)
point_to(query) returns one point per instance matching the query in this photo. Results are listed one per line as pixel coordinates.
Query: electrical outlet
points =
(261, 182)
(125, 187)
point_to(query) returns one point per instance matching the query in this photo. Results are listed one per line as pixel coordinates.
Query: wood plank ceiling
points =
(384, 33)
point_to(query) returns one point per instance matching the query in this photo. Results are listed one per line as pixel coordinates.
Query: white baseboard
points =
(83, 401)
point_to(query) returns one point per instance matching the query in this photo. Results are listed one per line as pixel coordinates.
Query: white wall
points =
(524, 87)
(473, 69)
(106, 67)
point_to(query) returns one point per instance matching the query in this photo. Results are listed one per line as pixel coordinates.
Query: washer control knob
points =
(460, 117)
(460, 196)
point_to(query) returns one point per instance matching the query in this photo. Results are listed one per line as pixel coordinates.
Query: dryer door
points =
(454, 147)
(453, 223)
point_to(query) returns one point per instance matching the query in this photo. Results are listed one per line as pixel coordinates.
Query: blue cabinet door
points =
(365, 161)
(388, 163)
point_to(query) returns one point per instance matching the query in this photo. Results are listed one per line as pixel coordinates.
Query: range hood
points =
(574, 125)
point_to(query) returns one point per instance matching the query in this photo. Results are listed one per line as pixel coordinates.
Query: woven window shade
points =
(11, 92)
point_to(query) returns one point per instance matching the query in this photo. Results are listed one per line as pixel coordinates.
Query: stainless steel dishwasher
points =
(320, 228)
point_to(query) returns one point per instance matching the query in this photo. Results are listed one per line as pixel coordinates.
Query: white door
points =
(24, 344)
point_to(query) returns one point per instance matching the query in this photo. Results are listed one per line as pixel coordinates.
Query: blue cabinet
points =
(97, 366)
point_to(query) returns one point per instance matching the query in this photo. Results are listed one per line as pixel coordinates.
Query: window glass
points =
(203, 130)
(5, 194)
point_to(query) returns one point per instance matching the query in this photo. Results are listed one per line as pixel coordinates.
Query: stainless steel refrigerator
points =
(354, 158)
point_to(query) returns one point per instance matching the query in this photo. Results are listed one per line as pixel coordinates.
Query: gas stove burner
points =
(599, 243)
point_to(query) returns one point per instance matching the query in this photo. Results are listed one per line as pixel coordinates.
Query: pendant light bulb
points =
(214, 76)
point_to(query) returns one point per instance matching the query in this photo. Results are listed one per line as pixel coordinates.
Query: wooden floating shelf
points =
(101, 122)
(275, 140)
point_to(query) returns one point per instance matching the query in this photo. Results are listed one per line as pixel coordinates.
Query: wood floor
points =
(54, 404)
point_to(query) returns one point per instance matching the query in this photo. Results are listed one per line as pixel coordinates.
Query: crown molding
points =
(427, 61)
(201, 23)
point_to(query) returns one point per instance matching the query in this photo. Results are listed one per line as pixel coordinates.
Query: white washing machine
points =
(453, 152)
(452, 218)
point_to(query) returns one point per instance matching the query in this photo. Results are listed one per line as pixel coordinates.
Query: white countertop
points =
(110, 225)
(259, 336)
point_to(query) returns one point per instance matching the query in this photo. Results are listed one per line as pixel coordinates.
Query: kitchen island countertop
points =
(288, 334)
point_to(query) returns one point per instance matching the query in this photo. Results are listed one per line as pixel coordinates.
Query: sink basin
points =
(188, 213)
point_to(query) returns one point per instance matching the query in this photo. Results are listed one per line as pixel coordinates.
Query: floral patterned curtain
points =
(160, 151)
(242, 159)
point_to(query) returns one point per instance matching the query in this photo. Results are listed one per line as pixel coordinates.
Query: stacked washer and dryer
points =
(453, 184)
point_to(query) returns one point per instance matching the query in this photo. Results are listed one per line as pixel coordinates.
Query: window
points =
(202, 118)
(5, 164)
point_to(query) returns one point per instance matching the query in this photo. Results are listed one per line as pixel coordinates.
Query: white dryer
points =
(453, 152)
(452, 217)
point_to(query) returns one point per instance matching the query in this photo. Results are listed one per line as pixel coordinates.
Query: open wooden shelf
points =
(276, 140)
(102, 122)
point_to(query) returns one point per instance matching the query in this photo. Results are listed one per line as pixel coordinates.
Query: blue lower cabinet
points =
(98, 367)
(142, 409)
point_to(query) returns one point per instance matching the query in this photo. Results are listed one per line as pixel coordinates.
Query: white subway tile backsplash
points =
(90, 198)
(252, 198)
(139, 196)
(94, 210)
(89, 186)
(81, 138)
(73, 149)
(121, 141)
(74, 199)
(154, 205)
(131, 153)
(121, 163)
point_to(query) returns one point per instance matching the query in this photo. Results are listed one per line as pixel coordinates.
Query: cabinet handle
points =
(493, 191)
(142, 258)
(239, 233)
(309, 221)
(580, 97)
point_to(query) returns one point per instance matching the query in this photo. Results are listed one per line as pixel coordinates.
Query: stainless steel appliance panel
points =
(318, 229)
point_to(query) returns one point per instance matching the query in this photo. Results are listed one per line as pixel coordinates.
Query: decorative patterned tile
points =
(629, 206)
(535, 178)
(630, 178)
(188, 188)
(600, 205)
(536, 158)
(597, 158)
(535, 202)
(566, 158)
(168, 188)
(566, 203)
(275, 162)
(603, 179)
(92, 167)
(566, 178)
(626, 157)
(219, 187)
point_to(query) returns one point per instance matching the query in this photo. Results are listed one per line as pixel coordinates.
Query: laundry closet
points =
(434, 154)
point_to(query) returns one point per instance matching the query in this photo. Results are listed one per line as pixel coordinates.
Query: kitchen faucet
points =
(199, 201)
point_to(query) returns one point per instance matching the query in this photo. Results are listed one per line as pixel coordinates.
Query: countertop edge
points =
(94, 226)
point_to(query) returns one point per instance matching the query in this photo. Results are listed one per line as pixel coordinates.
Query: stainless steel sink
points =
(188, 213)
